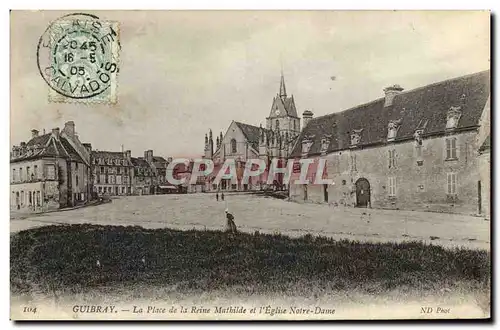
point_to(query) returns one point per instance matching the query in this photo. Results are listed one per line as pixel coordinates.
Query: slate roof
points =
(108, 154)
(48, 146)
(421, 108)
(486, 146)
(96, 154)
(139, 162)
(159, 161)
(252, 134)
(287, 105)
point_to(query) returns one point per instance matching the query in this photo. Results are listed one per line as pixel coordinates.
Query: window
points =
(233, 146)
(418, 149)
(14, 175)
(28, 174)
(100, 190)
(392, 186)
(20, 174)
(451, 148)
(451, 183)
(102, 169)
(392, 158)
(277, 124)
(123, 190)
(353, 163)
(77, 180)
(118, 179)
(106, 177)
(51, 172)
(35, 171)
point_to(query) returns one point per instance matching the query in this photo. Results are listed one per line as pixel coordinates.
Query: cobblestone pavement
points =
(268, 215)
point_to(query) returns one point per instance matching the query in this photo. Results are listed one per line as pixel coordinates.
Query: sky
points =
(183, 73)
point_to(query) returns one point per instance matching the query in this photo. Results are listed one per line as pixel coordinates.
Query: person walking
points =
(230, 226)
(222, 196)
(217, 196)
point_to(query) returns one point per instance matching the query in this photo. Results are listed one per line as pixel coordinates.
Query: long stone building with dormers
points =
(423, 149)
(50, 171)
(242, 142)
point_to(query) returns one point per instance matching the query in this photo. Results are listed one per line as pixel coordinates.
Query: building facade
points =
(416, 150)
(50, 171)
(112, 173)
(144, 175)
(242, 142)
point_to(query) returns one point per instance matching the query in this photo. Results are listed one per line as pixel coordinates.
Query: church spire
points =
(282, 87)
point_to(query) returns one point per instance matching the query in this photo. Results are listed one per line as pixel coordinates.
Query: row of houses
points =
(56, 170)
(422, 149)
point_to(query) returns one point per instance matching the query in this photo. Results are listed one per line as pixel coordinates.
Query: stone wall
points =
(418, 186)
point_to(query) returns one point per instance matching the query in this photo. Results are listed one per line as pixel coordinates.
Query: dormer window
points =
(355, 137)
(418, 137)
(392, 129)
(325, 143)
(306, 146)
(452, 117)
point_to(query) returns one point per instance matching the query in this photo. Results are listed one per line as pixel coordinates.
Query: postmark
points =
(78, 57)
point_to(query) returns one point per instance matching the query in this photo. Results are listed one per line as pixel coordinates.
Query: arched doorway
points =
(362, 193)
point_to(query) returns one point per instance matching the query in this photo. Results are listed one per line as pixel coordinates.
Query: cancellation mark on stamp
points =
(77, 56)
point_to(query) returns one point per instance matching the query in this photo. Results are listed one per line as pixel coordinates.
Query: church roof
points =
(287, 105)
(251, 133)
(421, 108)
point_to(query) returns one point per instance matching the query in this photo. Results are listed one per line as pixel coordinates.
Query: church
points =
(242, 142)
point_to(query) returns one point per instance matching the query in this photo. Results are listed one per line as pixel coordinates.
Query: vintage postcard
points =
(250, 165)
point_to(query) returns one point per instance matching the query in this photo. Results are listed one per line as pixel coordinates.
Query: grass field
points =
(75, 258)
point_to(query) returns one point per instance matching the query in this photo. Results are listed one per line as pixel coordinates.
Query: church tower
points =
(283, 115)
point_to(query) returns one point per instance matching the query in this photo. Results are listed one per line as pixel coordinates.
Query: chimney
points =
(55, 132)
(148, 156)
(306, 116)
(390, 93)
(34, 133)
(22, 148)
(69, 128)
(128, 154)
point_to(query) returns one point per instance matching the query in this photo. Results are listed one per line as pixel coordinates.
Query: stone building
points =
(50, 171)
(243, 141)
(417, 150)
(145, 180)
(112, 173)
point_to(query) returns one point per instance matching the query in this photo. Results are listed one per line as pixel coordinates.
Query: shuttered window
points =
(451, 183)
(451, 148)
(392, 186)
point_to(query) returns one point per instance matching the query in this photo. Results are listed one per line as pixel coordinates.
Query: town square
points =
(257, 165)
